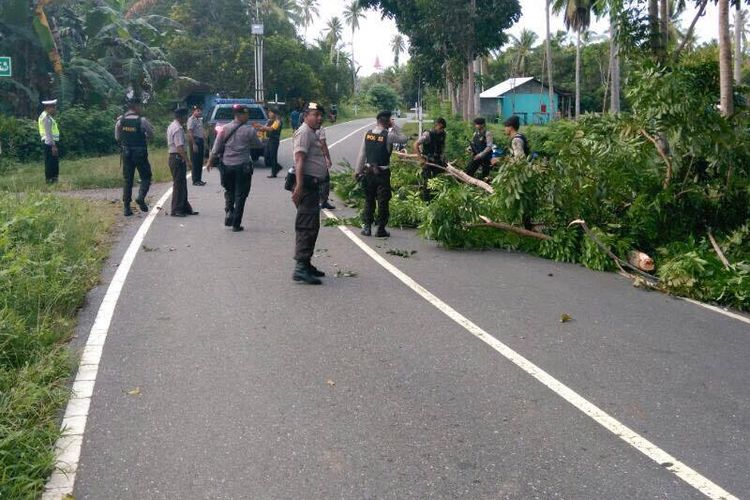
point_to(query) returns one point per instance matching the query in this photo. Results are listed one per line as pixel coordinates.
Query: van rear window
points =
(224, 113)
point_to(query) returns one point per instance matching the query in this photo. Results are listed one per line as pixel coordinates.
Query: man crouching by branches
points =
(373, 169)
(432, 143)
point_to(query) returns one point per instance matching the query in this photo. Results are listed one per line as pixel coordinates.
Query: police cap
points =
(181, 112)
(314, 106)
(239, 108)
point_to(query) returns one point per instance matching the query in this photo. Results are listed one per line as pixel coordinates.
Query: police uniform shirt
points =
(47, 121)
(394, 136)
(517, 146)
(175, 136)
(306, 141)
(146, 126)
(237, 148)
(195, 127)
(488, 149)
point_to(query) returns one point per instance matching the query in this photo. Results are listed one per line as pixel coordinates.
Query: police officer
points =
(197, 140)
(178, 164)
(431, 147)
(271, 152)
(231, 152)
(481, 149)
(132, 132)
(373, 168)
(50, 136)
(325, 186)
(310, 169)
(519, 144)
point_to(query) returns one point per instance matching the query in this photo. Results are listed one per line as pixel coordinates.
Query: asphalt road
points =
(252, 386)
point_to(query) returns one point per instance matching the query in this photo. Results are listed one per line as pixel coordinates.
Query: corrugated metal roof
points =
(503, 88)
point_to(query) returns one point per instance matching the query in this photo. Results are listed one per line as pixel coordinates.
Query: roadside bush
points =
(19, 139)
(51, 251)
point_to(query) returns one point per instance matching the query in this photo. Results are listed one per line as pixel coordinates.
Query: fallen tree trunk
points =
(510, 228)
(718, 251)
(450, 170)
(652, 280)
(641, 260)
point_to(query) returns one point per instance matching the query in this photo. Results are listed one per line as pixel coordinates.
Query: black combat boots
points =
(366, 230)
(127, 211)
(382, 233)
(302, 272)
(142, 204)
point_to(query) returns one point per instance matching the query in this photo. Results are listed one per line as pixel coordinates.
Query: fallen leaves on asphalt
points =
(331, 382)
(134, 392)
(565, 318)
(401, 253)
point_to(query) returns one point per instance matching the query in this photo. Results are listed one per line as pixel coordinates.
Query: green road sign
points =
(6, 67)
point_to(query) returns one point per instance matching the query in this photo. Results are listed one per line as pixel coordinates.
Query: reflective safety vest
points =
(376, 149)
(55, 130)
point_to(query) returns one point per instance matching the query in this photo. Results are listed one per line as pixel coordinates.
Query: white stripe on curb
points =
(719, 310)
(661, 457)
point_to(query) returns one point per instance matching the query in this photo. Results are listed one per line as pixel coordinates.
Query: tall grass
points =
(51, 253)
(82, 173)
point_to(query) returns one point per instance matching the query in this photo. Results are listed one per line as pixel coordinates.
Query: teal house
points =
(525, 97)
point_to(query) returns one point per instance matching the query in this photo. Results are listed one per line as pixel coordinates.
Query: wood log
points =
(510, 228)
(641, 260)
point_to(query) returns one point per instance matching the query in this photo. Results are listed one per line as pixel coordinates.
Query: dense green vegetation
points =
(51, 254)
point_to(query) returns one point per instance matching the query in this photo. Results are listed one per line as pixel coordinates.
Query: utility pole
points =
(256, 29)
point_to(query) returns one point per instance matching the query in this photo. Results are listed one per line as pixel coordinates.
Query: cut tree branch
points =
(618, 261)
(691, 29)
(450, 170)
(718, 251)
(512, 229)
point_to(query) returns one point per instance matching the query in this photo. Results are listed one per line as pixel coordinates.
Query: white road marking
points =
(348, 136)
(719, 310)
(661, 457)
(68, 447)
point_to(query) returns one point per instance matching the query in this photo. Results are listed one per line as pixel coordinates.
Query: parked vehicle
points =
(220, 113)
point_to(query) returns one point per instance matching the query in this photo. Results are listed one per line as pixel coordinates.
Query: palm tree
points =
(334, 29)
(287, 10)
(521, 49)
(613, 8)
(548, 46)
(352, 14)
(309, 11)
(398, 45)
(725, 60)
(577, 18)
(739, 29)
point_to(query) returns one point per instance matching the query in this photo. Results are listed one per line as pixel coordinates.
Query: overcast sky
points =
(374, 36)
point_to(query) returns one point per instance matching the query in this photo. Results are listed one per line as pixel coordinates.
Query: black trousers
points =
(307, 222)
(325, 188)
(428, 173)
(51, 165)
(271, 155)
(196, 157)
(377, 188)
(135, 159)
(237, 180)
(178, 168)
(474, 165)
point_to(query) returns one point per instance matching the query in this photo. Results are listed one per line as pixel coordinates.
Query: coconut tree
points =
(548, 47)
(739, 30)
(334, 28)
(398, 45)
(578, 18)
(352, 15)
(521, 49)
(612, 8)
(309, 12)
(725, 60)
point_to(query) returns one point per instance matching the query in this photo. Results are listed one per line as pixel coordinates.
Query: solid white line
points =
(661, 457)
(719, 310)
(68, 447)
(348, 136)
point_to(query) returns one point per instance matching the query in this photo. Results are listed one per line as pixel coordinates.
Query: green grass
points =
(83, 173)
(52, 249)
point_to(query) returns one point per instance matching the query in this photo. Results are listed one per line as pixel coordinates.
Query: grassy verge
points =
(83, 173)
(51, 253)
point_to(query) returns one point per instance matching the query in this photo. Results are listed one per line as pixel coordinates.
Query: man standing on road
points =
(294, 118)
(197, 140)
(271, 153)
(432, 144)
(325, 186)
(481, 149)
(178, 164)
(310, 169)
(50, 135)
(132, 133)
(373, 168)
(232, 152)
